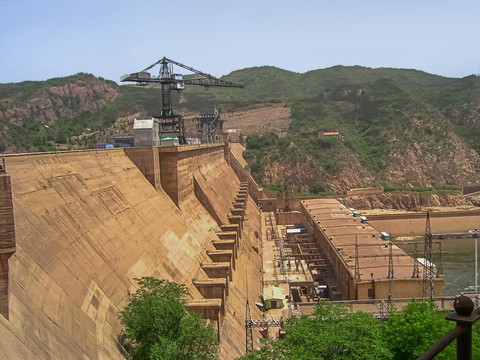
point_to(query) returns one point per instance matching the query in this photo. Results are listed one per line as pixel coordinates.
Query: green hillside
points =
(378, 120)
(270, 84)
(399, 127)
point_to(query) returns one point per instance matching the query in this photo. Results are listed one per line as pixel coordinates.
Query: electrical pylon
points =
(357, 265)
(428, 275)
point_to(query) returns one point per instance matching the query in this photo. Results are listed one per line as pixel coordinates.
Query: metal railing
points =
(464, 316)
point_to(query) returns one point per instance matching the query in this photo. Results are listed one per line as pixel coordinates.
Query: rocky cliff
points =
(49, 103)
(402, 201)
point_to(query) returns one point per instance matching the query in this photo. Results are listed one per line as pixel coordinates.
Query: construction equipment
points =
(169, 122)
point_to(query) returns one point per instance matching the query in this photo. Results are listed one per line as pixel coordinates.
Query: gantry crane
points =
(169, 122)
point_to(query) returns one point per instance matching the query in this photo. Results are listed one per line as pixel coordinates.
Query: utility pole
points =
(416, 272)
(475, 234)
(390, 261)
(248, 322)
(439, 263)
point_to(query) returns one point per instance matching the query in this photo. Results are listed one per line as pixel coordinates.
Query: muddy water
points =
(458, 264)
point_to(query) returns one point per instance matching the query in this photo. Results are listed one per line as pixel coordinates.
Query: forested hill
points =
(271, 84)
(399, 128)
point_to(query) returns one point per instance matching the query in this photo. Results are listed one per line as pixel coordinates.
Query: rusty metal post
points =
(464, 343)
(464, 316)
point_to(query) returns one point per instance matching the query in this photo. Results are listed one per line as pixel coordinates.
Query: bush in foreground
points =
(157, 325)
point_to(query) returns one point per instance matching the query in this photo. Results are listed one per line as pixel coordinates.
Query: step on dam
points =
(82, 225)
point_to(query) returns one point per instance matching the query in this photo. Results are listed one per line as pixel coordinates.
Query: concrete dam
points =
(78, 227)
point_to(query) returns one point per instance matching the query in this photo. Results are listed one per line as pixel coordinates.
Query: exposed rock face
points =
(419, 166)
(352, 175)
(68, 100)
(260, 118)
(302, 173)
(401, 201)
(305, 174)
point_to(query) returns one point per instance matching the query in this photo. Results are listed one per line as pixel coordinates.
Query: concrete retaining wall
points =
(147, 161)
(87, 224)
(413, 224)
(244, 176)
(7, 239)
(289, 218)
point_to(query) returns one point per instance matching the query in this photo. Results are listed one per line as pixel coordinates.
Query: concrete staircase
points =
(219, 272)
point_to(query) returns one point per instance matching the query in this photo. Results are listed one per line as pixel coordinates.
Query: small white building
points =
(273, 297)
(145, 132)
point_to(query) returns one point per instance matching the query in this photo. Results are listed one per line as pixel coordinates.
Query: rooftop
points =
(338, 223)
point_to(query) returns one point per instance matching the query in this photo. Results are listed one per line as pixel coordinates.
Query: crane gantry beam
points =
(169, 81)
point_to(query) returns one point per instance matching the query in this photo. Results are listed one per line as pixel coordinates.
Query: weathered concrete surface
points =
(7, 238)
(214, 177)
(86, 224)
(248, 265)
(7, 230)
(147, 160)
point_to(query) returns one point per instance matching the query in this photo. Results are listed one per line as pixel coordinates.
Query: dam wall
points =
(413, 224)
(148, 162)
(7, 238)
(88, 223)
(244, 176)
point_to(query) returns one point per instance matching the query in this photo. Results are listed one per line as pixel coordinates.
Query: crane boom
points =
(171, 123)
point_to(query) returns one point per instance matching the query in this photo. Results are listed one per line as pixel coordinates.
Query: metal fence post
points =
(464, 316)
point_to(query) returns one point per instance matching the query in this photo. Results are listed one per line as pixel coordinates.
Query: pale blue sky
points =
(41, 39)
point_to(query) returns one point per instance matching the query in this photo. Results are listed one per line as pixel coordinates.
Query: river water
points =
(458, 263)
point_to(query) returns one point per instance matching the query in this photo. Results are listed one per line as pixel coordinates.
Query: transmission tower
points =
(357, 265)
(428, 275)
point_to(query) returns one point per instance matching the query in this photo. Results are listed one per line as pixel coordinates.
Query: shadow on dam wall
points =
(87, 223)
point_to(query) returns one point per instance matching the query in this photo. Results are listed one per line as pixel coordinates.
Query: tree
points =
(158, 326)
(413, 330)
(332, 334)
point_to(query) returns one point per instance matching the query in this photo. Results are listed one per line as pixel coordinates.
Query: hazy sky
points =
(41, 39)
